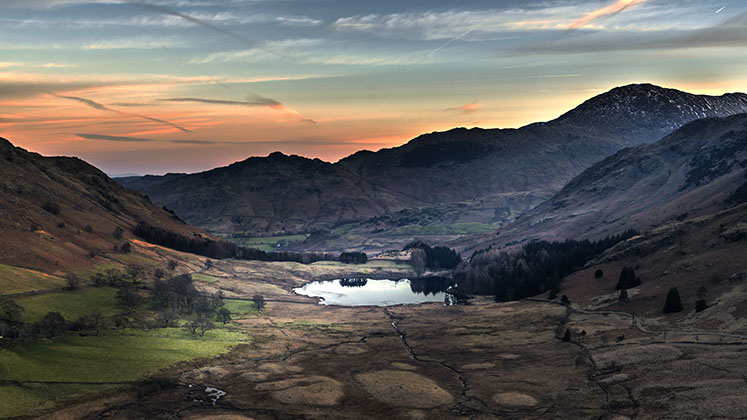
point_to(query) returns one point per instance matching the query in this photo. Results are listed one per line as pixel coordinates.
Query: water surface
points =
(365, 292)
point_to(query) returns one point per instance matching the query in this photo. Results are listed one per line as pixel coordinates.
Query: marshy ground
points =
(483, 361)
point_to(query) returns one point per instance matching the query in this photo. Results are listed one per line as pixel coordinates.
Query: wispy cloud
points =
(293, 46)
(128, 139)
(469, 108)
(298, 21)
(252, 101)
(196, 21)
(101, 107)
(729, 33)
(201, 22)
(606, 11)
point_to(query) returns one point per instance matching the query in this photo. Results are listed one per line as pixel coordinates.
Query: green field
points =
(239, 308)
(116, 356)
(16, 400)
(19, 280)
(203, 278)
(71, 304)
(269, 243)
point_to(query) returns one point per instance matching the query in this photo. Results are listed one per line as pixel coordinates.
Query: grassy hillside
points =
(66, 213)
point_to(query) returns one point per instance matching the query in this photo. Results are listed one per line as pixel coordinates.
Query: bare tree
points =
(204, 325)
(224, 315)
(96, 320)
(166, 319)
(417, 261)
(72, 280)
(10, 308)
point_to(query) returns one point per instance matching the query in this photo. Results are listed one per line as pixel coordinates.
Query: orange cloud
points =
(612, 9)
(470, 108)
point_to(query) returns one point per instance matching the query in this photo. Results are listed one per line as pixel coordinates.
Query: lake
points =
(370, 292)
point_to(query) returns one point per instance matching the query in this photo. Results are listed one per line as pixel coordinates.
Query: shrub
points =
(701, 305)
(51, 207)
(118, 232)
(353, 258)
(155, 385)
(598, 274)
(259, 302)
(623, 296)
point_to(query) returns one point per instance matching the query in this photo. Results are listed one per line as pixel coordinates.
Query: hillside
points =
(696, 170)
(60, 213)
(375, 200)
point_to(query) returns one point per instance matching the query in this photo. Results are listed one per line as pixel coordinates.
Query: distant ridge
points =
(484, 176)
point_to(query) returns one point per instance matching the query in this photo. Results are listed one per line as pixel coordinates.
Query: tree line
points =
(437, 257)
(220, 249)
(536, 268)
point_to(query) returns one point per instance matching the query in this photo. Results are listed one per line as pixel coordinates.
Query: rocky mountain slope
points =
(697, 170)
(432, 182)
(62, 213)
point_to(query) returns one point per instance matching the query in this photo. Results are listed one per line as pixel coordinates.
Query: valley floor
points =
(483, 361)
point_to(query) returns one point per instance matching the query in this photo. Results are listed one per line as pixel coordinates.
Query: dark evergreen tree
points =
(673, 302)
(628, 279)
(598, 274)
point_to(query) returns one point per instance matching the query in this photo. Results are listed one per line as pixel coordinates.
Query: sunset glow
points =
(160, 85)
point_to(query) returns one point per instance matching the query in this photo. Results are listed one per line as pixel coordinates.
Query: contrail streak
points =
(194, 20)
(447, 43)
(101, 107)
(720, 10)
(200, 22)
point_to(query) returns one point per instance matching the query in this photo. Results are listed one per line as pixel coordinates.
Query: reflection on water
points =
(363, 292)
(353, 282)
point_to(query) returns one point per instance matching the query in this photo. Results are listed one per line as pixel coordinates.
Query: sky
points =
(156, 86)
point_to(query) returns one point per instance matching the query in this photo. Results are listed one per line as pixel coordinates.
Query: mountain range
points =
(698, 170)
(439, 186)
